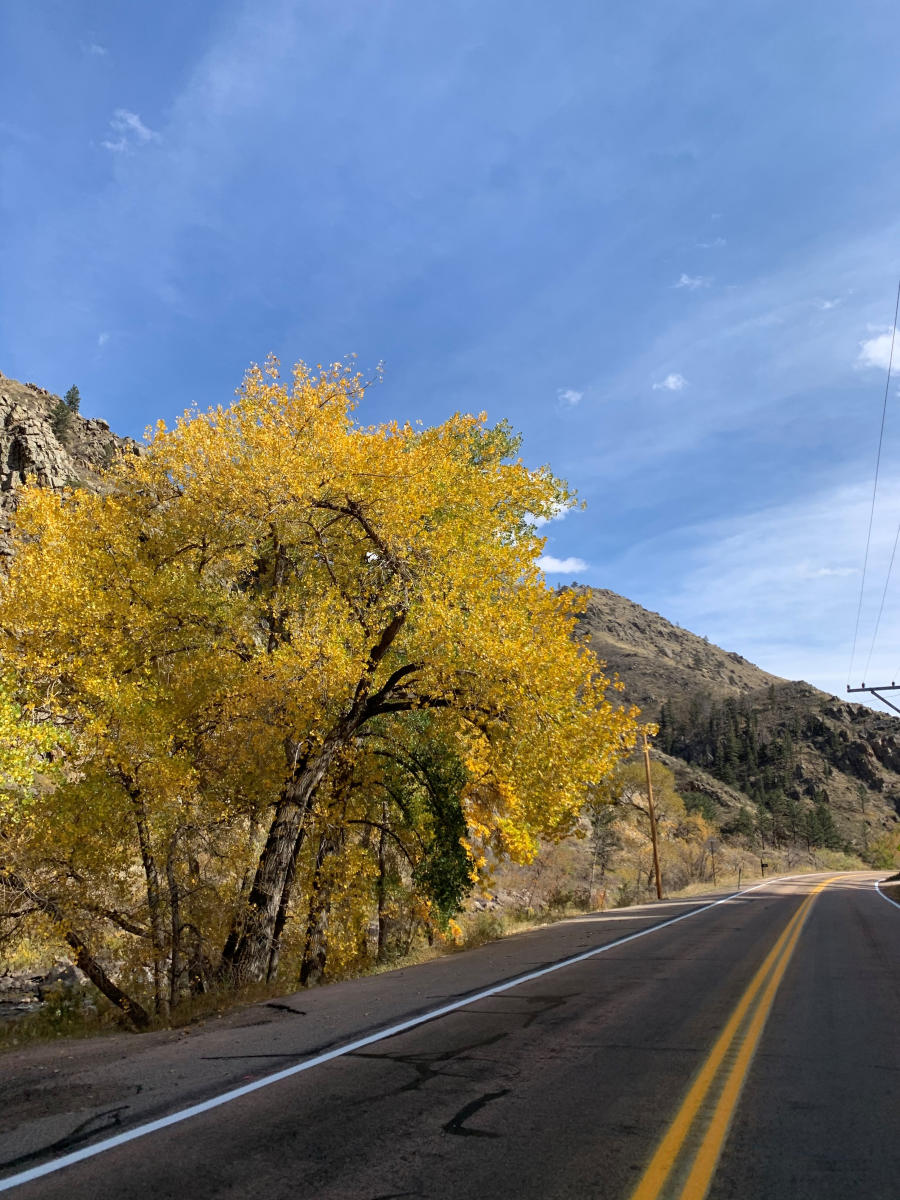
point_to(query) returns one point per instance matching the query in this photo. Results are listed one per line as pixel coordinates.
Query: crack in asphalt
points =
(395, 1195)
(457, 1124)
(426, 1066)
(547, 1004)
(81, 1133)
(236, 1057)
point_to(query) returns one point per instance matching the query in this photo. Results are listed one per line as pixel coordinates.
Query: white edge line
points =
(878, 883)
(184, 1114)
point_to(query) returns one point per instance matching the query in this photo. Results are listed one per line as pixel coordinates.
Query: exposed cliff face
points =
(30, 451)
(742, 736)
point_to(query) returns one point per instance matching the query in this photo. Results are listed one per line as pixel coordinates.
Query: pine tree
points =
(830, 838)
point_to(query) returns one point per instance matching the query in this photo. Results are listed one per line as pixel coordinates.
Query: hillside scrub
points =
(302, 675)
(754, 747)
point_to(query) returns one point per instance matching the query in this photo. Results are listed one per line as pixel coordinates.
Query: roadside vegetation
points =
(757, 745)
(605, 864)
(274, 700)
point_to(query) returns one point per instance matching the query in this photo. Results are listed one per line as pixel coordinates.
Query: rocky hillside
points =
(777, 749)
(31, 452)
(658, 661)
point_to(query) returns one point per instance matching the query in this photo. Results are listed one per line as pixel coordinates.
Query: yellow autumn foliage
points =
(223, 624)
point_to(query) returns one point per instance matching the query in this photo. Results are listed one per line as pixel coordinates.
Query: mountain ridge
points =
(748, 739)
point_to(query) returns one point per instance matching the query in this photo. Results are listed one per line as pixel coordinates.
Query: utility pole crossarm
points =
(876, 691)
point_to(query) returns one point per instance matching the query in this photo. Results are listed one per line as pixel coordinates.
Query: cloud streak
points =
(781, 585)
(876, 351)
(673, 382)
(128, 131)
(569, 398)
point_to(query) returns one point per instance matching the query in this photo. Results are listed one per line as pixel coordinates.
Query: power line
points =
(862, 586)
(883, 598)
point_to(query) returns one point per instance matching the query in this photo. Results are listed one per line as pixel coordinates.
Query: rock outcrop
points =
(31, 452)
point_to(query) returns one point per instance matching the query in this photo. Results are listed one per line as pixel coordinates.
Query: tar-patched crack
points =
(457, 1124)
(433, 1066)
(426, 1066)
(98, 1123)
(541, 1005)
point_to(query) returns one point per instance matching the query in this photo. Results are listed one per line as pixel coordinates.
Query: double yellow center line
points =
(683, 1165)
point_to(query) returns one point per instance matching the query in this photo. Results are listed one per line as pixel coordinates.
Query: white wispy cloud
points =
(876, 351)
(94, 49)
(715, 244)
(781, 585)
(103, 338)
(692, 282)
(825, 305)
(807, 571)
(561, 566)
(673, 382)
(761, 345)
(568, 397)
(128, 131)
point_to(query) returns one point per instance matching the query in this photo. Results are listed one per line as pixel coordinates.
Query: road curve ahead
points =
(749, 1050)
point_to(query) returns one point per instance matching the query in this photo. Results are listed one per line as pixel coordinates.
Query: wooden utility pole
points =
(652, 817)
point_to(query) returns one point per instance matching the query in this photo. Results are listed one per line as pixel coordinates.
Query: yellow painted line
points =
(762, 987)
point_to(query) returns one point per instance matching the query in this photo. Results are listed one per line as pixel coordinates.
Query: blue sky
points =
(662, 239)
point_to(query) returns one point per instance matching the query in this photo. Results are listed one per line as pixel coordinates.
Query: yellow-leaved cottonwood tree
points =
(221, 630)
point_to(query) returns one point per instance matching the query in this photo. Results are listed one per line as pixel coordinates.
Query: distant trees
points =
(620, 826)
(311, 677)
(726, 738)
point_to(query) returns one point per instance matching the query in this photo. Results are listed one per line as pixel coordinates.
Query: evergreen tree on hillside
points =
(63, 412)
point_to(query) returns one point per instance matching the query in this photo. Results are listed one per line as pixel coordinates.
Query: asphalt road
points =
(749, 1050)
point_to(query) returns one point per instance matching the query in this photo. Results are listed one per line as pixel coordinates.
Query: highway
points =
(743, 1047)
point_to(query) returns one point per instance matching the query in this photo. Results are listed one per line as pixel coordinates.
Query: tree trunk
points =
(382, 888)
(315, 950)
(281, 919)
(246, 957)
(84, 960)
(154, 900)
(240, 907)
(175, 964)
